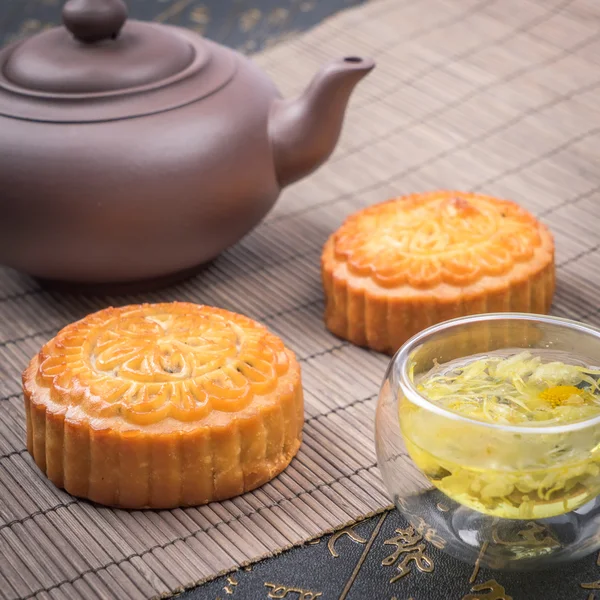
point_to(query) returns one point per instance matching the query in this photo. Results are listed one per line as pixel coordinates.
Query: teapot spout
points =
(304, 131)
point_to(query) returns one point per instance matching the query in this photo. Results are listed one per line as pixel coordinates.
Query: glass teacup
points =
(525, 493)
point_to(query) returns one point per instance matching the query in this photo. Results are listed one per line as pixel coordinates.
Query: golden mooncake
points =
(163, 405)
(398, 267)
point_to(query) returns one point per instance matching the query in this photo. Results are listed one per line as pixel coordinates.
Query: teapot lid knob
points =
(94, 20)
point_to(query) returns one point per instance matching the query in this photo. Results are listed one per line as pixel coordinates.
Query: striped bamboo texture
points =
(498, 96)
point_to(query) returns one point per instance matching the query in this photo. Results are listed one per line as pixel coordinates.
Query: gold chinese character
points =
(404, 539)
(434, 539)
(282, 591)
(231, 584)
(595, 585)
(493, 591)
(349, 531)
(533, 535)
(407, 543)
(422, 527)
(416, 555)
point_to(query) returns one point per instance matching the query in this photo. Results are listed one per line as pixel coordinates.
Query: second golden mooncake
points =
(398, 267)
(163, 405)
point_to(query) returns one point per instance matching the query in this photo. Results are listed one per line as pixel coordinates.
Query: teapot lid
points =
(91, 68)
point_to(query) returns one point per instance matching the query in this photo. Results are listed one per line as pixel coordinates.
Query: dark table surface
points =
(367, 562)
(247, 25)
(357, 563)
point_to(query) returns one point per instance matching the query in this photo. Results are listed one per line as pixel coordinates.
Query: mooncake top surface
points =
(151, 364)
(441, 237)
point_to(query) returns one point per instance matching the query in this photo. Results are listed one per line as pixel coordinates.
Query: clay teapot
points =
(135, 151)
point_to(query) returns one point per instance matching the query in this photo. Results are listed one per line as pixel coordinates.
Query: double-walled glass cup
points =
(512, 497)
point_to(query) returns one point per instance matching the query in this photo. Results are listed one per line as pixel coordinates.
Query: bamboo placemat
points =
(499, 96)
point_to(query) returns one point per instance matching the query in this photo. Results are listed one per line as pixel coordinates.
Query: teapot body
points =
(138, 198)
(134, 151)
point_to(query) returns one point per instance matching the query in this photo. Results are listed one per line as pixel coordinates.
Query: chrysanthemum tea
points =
(535, 474)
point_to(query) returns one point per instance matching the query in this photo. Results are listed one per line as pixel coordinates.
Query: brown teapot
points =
(135, 151)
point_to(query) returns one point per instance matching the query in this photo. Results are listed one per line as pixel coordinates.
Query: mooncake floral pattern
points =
(441, 237)
(151, 362)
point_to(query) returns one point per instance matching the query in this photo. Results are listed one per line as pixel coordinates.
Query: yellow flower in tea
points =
(559, 395)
